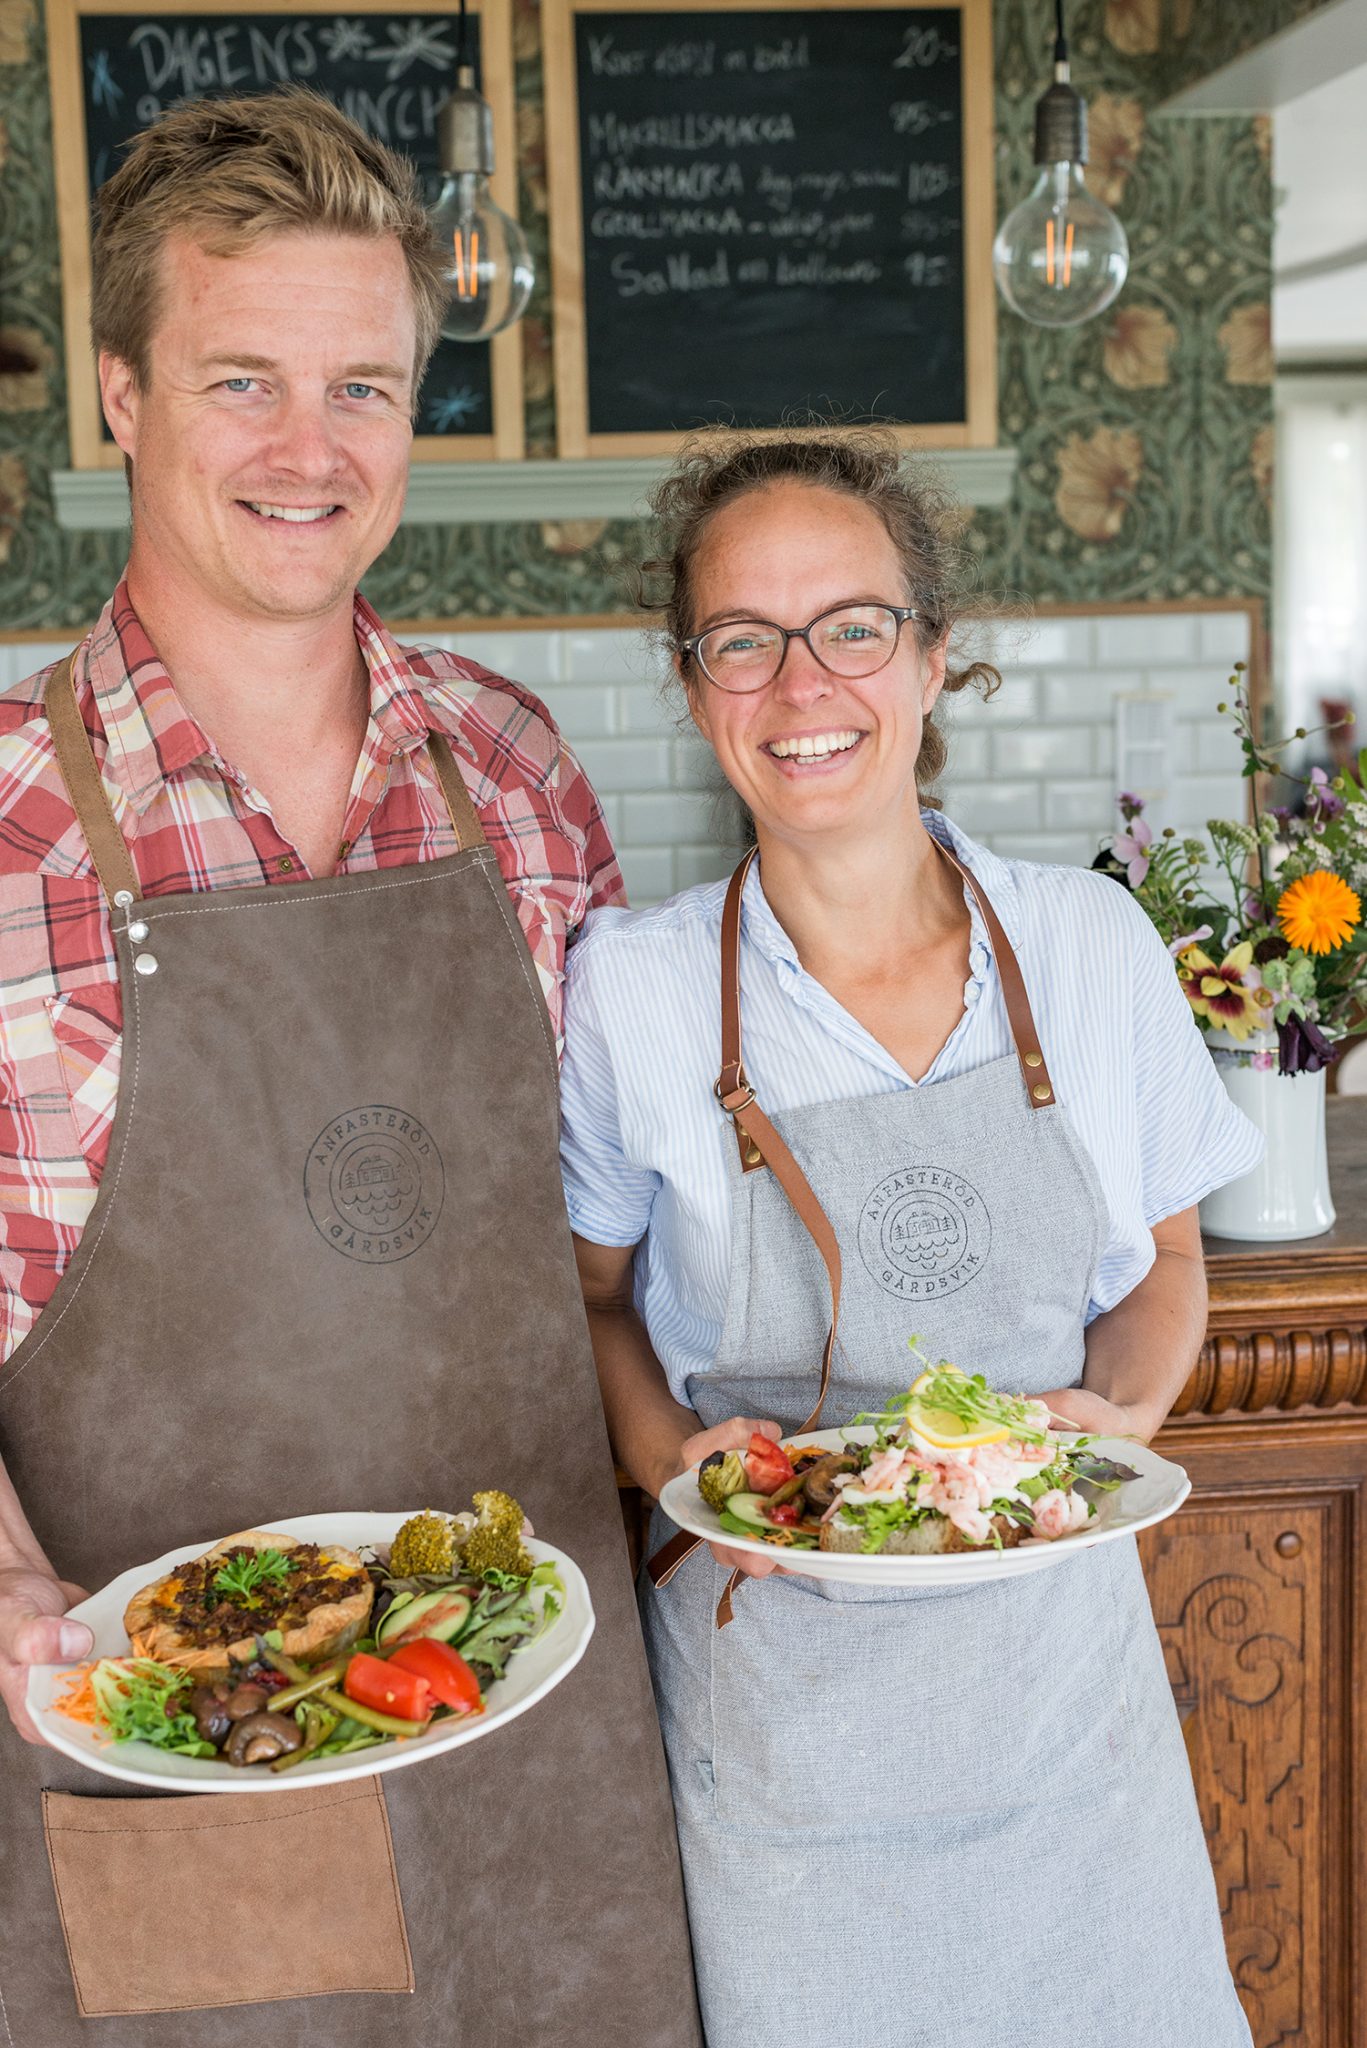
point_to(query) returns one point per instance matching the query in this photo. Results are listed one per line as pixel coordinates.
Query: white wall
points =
(1032, 773)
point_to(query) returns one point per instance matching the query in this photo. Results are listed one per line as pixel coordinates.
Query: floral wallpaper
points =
(1145, 437)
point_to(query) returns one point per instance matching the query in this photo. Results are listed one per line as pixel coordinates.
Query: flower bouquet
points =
(1264, 924)
(1263, 920)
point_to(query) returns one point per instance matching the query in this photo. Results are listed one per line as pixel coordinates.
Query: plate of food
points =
(951, 1484)
(323, 1648)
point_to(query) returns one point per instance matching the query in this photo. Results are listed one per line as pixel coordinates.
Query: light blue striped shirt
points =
(644, 1142)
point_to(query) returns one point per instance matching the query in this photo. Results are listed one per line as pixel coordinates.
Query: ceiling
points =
(1319, 251)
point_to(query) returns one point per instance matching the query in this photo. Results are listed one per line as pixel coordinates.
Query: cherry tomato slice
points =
(787, 1514)
(373, 1682)
(767, 1465)
(444, 1670)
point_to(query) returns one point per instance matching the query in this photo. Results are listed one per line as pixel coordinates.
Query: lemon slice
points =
(932, 1372)
(950, 1432)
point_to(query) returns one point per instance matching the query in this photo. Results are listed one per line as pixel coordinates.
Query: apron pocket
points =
(168, 1905)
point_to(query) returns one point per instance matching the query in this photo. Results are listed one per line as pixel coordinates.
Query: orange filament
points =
(467, 281)
(1049, 250)
(1068, 257)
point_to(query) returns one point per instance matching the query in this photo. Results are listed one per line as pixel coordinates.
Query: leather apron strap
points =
(761, 1145)
(95, 814)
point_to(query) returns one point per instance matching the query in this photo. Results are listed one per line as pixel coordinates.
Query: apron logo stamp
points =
(924, 1232)
(374, 1184)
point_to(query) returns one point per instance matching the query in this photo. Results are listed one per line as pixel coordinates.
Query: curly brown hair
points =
(921, 516)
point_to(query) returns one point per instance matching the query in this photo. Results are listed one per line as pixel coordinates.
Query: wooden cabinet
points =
(1259, 1589)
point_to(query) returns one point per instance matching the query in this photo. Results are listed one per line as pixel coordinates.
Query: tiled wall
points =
(1031, 773)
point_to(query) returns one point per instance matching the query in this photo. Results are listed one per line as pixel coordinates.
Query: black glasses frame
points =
(692, 647)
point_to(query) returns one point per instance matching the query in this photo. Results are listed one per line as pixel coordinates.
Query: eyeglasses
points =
(852, 640)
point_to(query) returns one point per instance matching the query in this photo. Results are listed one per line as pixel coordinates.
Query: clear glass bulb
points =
(489, 267)
(1060, 256)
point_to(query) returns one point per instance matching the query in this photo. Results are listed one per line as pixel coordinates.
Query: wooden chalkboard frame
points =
(574, 439)
(89, 448)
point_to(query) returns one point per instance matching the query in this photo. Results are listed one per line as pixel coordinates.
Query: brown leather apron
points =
(329, 1267)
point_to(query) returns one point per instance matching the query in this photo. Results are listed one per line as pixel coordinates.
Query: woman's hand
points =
(1097, 1416)
(732, 1436)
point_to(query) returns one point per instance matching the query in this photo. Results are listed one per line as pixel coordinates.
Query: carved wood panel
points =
(1240, 1596)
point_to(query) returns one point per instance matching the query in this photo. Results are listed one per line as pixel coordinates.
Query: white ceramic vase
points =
(1287, 1193)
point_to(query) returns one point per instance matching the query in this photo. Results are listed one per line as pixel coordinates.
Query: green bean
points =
(387, 1724)
(313, 1681)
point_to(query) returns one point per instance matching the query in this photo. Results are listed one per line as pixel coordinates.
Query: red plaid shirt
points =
(196, 824)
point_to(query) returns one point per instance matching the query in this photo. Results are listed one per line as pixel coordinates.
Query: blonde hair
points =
(228, 173)
(718, 465)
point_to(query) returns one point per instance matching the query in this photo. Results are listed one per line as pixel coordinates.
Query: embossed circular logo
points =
(924, 1231)
(374, 1184)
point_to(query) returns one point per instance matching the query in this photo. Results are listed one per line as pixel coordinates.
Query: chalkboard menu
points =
(760, 210)
(389, 69)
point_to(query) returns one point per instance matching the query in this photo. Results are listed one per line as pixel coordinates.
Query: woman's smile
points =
(814, 752)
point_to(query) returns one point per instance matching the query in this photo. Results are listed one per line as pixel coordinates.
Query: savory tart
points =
(207, 1614)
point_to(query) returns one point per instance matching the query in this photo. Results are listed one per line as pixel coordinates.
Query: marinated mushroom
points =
(208, 1704)
(818, 1483)
(260, 1738)
(245, 1699)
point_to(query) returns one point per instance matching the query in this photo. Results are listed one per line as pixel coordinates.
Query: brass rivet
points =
(285, 864)
(1041, 1091)
(1034, 1059)
(753, 1155)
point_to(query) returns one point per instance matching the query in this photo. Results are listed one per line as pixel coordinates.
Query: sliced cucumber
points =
(441, 1615)
(749, 1507)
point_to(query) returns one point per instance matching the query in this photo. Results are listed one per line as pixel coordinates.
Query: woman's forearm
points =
(1140, 1354)
(646, 1425)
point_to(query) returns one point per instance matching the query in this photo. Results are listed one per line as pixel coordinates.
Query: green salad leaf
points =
(142, 1701)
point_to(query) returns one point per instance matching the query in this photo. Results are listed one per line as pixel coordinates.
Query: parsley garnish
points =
(240, 1576)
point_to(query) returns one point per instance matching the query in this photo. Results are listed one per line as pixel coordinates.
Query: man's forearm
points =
(18, 1544)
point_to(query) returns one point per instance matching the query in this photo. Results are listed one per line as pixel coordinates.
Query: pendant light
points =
(1060, 257)
(489, 266)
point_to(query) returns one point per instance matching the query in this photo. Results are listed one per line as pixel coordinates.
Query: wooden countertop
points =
(1288, 1319)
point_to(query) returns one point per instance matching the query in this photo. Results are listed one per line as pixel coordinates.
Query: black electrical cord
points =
(463, 38)
(1060, 38)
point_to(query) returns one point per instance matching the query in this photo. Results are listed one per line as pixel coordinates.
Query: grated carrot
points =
(77, 1698)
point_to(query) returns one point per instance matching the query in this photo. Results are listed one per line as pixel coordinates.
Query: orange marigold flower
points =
(1318, 912)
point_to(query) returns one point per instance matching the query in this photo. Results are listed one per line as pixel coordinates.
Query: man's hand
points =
(732, 1436)
(33, 1631)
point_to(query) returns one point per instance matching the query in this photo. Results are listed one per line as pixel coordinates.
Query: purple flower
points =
(1131, 806)
(1304, 1047)
(1132, 848)
(1321, 798)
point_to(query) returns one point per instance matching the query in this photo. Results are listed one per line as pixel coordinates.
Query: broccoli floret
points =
(425, 1543)
(720, 1476)
(495, 1543)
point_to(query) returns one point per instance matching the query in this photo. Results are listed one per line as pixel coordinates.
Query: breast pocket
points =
(87, 1035)
(169, 1905)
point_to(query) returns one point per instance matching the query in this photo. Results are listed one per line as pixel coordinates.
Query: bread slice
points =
(320, 1609)
(931, 1538)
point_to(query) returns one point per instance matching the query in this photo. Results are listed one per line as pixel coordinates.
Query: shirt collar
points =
(763, 929)
(150, 734)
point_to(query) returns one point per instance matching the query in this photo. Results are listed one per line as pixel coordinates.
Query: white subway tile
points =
(1210, 748)
(1087, 697)
(694, 763)
(1043, 750)
(626, 764)
(648, 872)
(1194, 798)
(1224, 636)
(1083, 806)
(996, 806)
(611, 807)
(694, 864)
(1055, 643)
(581, 713)
(645, 708)
(1018, 697)
(668, 816)
(968, 751)
(608, 654)
(1071, 849)
(1147, 636)
(1103, 751)
(1197, 691)
(532, 657)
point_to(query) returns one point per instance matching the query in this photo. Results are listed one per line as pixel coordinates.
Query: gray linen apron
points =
(937, 1819)
(329, 1267)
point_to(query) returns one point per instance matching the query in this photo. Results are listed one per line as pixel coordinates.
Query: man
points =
(273, 889)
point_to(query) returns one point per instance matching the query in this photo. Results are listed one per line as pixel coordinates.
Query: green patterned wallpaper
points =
(1145, 437)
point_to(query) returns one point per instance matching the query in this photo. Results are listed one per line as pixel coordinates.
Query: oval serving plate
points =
(532, 1673)
(1157, 1493)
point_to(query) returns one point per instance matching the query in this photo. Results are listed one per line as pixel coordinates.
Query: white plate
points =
(532, 1673)
(1158, 1492)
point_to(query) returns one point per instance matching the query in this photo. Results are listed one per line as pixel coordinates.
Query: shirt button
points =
(285, 864)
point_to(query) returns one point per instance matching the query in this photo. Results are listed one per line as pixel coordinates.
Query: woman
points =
(942, 1818)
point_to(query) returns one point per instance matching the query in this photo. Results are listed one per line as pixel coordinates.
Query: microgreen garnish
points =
(241, 1576)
